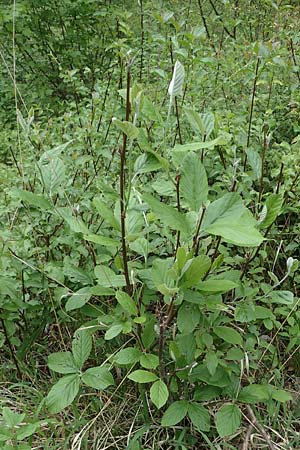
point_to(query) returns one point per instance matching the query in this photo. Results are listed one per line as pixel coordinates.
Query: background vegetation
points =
(149, 224)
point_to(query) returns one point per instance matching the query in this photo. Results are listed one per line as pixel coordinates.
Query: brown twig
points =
(254, 422)
(247, 437)
(122, 188)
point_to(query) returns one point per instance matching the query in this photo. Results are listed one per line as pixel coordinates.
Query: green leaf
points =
(237, 232)
(98, 378)
(142, 376)
(188, 317)
(255, 162)
(207, 393)
(63, 393)
(147, 162)
(78, 299)
(129, 355)
(11, 418)
(168, 215)
(127, 128)
(229, 218)
(175, 87)
(228, 419)
(81, 347)
(106, 277)
(39, 201)
(26, 431)
(75, 223)
(199, 416)
(245, 312)
(255, 393)
(273, 206)
(228, 335)
(193, 182)
(113, 331)
(282, 297)
(175, 413)
(127, 303)
(193, 271)
(220, 378)
(212, 362)
(62, 362)
(281, 396)
(202, 124)
(216, 286)
(159, 393)
(107, 213)
(52, 173)
(149, 361)
(194, 146)
(102, 240)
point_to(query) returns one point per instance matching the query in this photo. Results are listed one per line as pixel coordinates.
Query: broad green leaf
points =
(245, 312)
(193, 182)
(175, 413)
(255, 393)
(263, 313)
(147, 162)
(78, 299)
(229, 208)
(102, 240)
(273, 205)
(228, 419)
(229, 218)
(63, 393)
(11, 418)
(106, 212)
(106, 277)
(206, 393)
(162, 274)
(127, 128)
(220, 378)
(81, 347)
(212, 362)
(39, 201)
(237, 233)
(127, 303)
(194, 146)
(168, 215)
(98, 378)
(52, 173)
(62, 362)
(199, 416)
(255, 162)
(159, 393)
(149, 361)
(75, 223)
(216, 286)
(202, 124)
(175, 87)
(281, 396)
(193, 271)
(142, 376)
(149, 335)
(140, 246)
(228, 335)
(282, 297)
(26, 431)
(234, 354)
(113, 331)
(129, 355)
(188, 317)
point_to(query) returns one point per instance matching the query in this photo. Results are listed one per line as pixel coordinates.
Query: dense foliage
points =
(149, 235)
